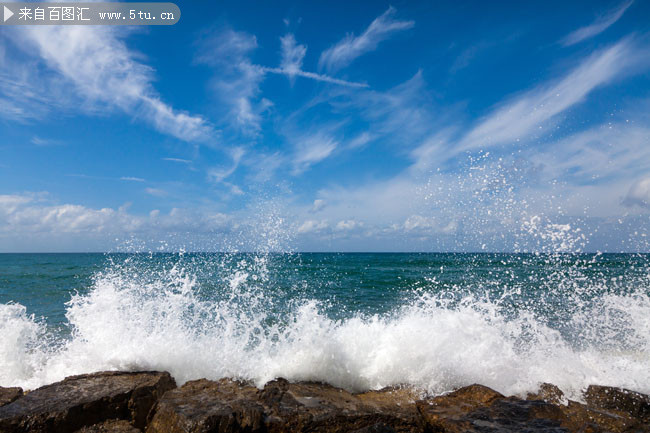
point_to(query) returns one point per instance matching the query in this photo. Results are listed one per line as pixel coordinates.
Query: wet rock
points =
(148, 402)
(375, 428)
(480, 409)
(230, 406)
(320, 407)
(111, 426)
(86, 400)
(448, 413)
(548, 393)
(7, 395)
(635, 404)
(601, 413)
(208, 406)
(578, 417)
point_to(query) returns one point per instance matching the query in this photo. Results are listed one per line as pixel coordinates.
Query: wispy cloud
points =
(312, 149)
(349, 48)
(45, 142)
(403, 113)
(600, 25)
(156, 192)
(132, 179)
(292, 54)
(313, 76)
(604, 153)
(219, 174)
(360, 140)
(179, 160)
(291, 64)
(103, 72)
(25, 95)
(237, 83)
(524, 115)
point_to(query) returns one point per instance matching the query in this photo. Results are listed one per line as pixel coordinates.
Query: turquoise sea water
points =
(435, 321)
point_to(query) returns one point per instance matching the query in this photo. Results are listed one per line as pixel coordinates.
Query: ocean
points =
(434, 321)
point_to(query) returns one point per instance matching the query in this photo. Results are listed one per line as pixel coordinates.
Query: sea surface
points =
(360, 321)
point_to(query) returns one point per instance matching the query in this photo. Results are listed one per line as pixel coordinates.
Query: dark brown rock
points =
(8, 395)
(548, 393)
(448, 412)
(318, 407)
(208, 406)
(635, 404)
(230, 406)
(114, 402)
(111, 426)
(480, 409)
(85, 400)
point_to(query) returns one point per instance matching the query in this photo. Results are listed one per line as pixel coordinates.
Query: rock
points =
(548, 393)
(7, 395)
(477, 408)
(208, 406)
(635, 404)
(231, 406)
(375, 428)
(86, 400)
(318, 407)
(113, 402)
(480, 409)
(447, 412)
(112, 426)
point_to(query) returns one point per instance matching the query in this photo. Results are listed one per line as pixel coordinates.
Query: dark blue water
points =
(348, 282)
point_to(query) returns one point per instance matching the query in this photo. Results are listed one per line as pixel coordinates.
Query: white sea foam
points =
(160, 321)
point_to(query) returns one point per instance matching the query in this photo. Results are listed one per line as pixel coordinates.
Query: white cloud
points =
(28, 214)
(638, 194)
(27, 220)
(349, 48)
(319, 205)
(312, 149)
(601, 24)
(9, 203)
(524, 115)
(96, 67)
(429, 224)
(132, 179)
(156, 192)
(312, 226)
(348, 225)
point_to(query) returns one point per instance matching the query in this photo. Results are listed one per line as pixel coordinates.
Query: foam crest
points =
(22, 351)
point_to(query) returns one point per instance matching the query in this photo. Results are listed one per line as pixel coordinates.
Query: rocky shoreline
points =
(150, 402)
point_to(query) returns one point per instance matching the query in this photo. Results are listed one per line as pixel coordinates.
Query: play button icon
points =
(8, 13)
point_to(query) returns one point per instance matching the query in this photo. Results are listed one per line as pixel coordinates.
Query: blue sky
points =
(326, 126)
